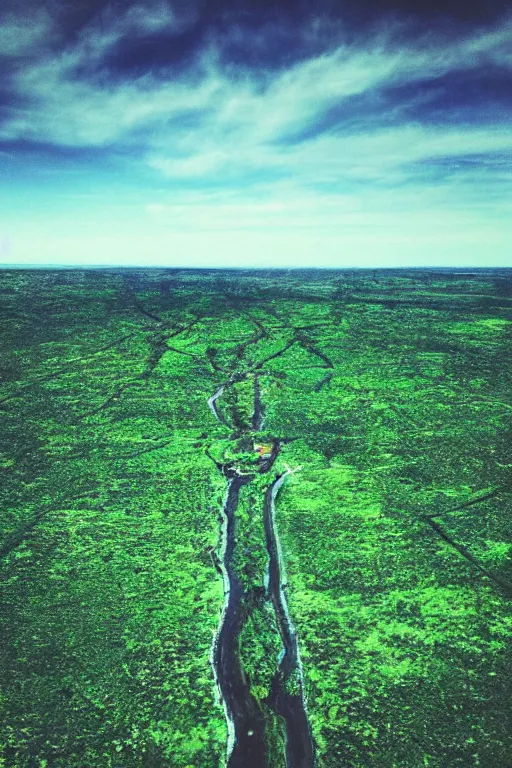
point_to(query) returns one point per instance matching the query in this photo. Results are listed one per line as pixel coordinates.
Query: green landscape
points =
(256, 519)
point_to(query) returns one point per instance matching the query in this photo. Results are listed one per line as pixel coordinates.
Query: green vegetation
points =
(390, 391)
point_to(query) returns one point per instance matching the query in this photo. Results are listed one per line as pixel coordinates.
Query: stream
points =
(247, 746)
(246, 724)
(287, 694)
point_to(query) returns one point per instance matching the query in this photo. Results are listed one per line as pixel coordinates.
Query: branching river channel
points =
(247, 740)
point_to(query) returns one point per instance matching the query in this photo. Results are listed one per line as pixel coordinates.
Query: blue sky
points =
(189, 134)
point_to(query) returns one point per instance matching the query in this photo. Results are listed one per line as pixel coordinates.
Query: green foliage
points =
(391, 390)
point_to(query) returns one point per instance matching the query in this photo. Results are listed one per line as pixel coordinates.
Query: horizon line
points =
(436, 268)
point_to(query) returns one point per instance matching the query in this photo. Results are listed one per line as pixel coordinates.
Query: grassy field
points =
(388, 395)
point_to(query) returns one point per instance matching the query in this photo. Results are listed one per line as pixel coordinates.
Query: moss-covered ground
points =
(391, 390)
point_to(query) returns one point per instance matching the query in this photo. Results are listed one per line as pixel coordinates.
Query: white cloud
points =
(132, 22)
(289, 207)
(66, 108)
(249, 125)
(196, 166)
(386, 155)
(73, 112)
(27, 34)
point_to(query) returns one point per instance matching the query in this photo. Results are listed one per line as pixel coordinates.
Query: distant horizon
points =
(304, 268)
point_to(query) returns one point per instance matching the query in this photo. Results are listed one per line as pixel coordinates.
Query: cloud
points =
(251, 129)
(26, 35)
(257, 125)
(196, 166)
(70, 111)
(239, 107)
(114, 27)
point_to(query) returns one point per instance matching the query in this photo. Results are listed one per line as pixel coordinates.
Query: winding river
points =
(247, 745)
(246, 724)
(287, 694)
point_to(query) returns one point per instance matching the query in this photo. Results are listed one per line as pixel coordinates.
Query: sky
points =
(256, 134)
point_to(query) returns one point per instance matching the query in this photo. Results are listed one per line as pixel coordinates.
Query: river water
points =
(247, 746)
